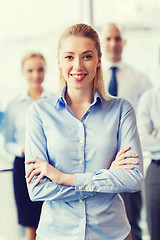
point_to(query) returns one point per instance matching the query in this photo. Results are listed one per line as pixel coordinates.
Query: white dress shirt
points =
(14, 122)
(131, 83)
(148, 116)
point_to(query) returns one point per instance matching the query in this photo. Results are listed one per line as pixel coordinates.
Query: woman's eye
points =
(88, 57)
(29, 70)
(69, 57)
(41, 70)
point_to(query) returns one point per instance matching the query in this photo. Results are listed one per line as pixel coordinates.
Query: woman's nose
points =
(35, 74)
(78, 64)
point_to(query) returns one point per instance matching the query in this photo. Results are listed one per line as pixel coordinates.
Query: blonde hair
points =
(83, 30)
(32, 55)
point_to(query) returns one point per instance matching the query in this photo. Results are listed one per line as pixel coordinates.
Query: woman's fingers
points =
(126, 167)
(37, 163)
(123, 150)
(127, 155)
(124, 164)
(127, 161)
(38, 179)
(38, 167)
(32, 168)
(123, 159)
(32, 160)
(32, 174)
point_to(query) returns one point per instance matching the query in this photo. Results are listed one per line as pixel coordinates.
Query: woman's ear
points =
(59, 65)
(99, 63)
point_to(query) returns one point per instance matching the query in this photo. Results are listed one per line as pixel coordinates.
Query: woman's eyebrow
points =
(68, 52)
(87, 52)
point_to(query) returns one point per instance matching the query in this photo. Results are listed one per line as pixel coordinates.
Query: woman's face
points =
(78, 61)
(34, 71)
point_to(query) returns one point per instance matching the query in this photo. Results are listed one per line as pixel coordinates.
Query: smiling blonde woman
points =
(82, 149)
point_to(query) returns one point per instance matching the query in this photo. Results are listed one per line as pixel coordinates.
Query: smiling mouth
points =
(78, 76)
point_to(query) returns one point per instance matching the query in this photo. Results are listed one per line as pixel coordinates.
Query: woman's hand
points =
(122, 159)
(44, 169)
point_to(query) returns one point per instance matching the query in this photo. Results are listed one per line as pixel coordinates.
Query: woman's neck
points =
(79, 101)
(79, 96)
(35, 93)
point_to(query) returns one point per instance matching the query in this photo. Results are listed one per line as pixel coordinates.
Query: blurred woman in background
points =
(34, 68)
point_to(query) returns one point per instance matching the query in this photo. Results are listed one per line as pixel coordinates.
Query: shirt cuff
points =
(83, 182)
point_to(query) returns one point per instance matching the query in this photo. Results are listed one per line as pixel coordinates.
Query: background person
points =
(1, 120)
(34, 68)
(131, 83)
(123, 80)
(149, 127)
(73, 140)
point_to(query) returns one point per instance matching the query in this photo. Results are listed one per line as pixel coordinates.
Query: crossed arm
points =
(44, 169)
(124, 174)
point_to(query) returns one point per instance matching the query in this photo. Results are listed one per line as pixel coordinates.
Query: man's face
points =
(113, 43)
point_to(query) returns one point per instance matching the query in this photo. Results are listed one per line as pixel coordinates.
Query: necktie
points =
(113, 82)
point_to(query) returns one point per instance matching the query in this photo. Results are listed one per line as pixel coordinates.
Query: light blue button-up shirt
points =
(93, 209)
(14, 122)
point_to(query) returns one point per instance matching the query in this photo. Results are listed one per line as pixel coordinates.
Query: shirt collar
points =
(97, 98)
(120, 65)
(24, 96)
(61, 102)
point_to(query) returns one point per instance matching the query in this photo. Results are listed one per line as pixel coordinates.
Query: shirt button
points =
(87, 188)
(80, 187)
(80, 200)
(85, 196)
(80, 161)
(81, 141)
(81, 125)
(82, 220)
(92, 194)
(89, 110)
